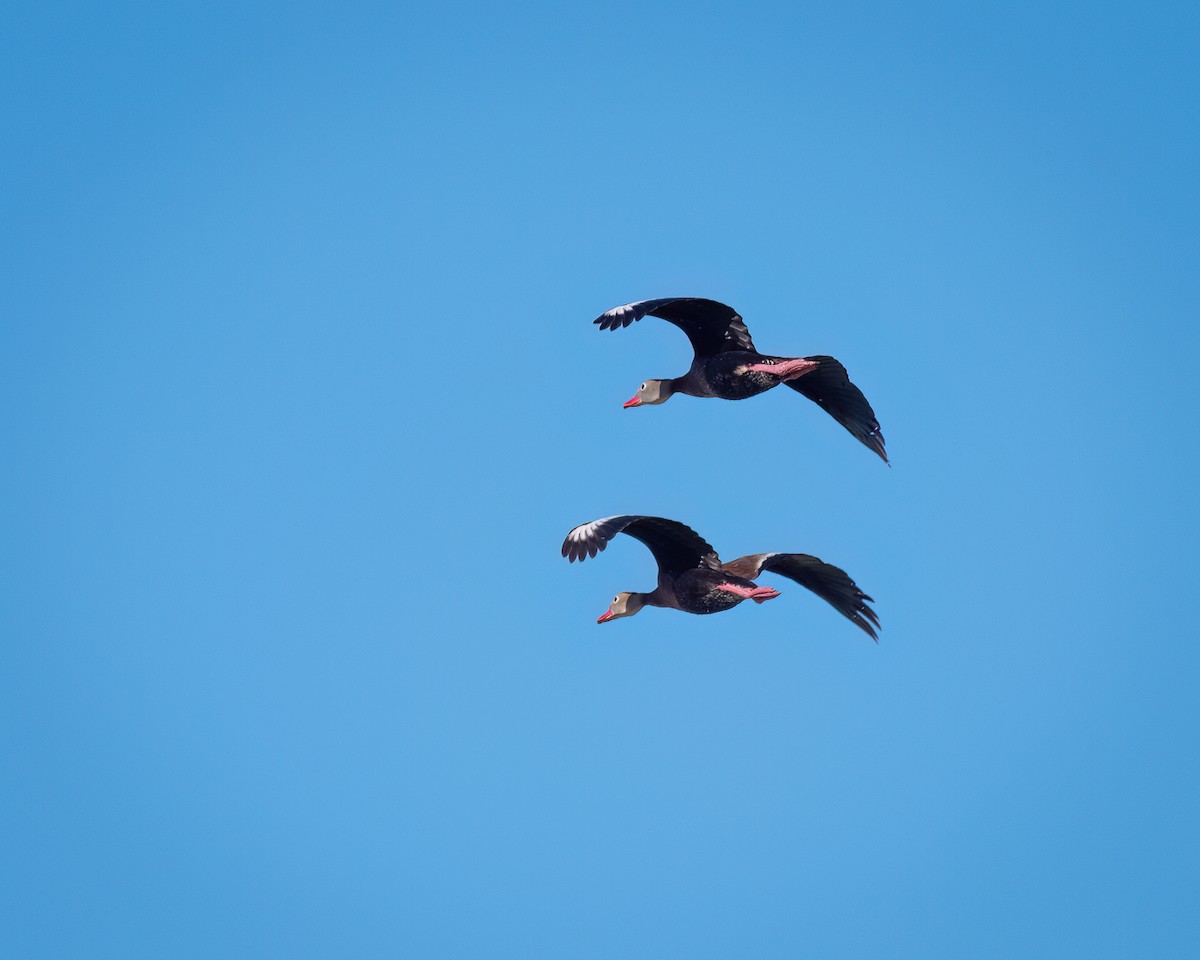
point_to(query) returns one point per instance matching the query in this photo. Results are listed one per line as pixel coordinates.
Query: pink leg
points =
(757, 594)
(785, 369)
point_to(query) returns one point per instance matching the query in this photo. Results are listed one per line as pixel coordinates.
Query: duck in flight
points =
(728, 366)
(692, 578)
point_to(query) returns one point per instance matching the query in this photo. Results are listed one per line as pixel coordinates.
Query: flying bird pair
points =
(726, 365)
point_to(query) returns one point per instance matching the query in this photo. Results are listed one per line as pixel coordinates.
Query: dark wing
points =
(832, 584)
(830, 387)
(676, 548)
(712, 327)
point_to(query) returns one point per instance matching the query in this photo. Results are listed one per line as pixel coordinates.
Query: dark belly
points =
(722, 376)
(696, 592)
(715, 601)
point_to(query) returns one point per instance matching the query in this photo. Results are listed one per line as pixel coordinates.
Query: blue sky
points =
(302, 394)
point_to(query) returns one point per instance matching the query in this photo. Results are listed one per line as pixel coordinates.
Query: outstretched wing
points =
(832, 584)
(829, 386)
(711, 326)
(676, 547)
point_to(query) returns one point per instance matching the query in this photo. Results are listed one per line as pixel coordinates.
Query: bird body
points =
(738, 375)
(701, 590)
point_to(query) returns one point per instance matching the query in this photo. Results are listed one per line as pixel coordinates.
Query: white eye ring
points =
(616, 599)
(643, 387)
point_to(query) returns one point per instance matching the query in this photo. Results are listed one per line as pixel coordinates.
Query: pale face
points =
(623, 605)
(649, 393)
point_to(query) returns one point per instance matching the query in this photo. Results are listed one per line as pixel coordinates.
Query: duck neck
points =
(655, 598)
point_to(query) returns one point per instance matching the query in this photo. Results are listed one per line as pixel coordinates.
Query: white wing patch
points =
(622, 309)
(739, 334)
(762, 564)
(585, 531)
(588, 539)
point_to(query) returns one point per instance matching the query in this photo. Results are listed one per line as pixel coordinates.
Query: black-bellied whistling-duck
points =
(728, 366)
(692, 578)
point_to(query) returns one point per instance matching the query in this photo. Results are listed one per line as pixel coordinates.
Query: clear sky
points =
(300, 394)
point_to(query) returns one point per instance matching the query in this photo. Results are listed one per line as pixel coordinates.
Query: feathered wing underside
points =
(832, 584)
(675, 547)
(712, 327)
(830, 388)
